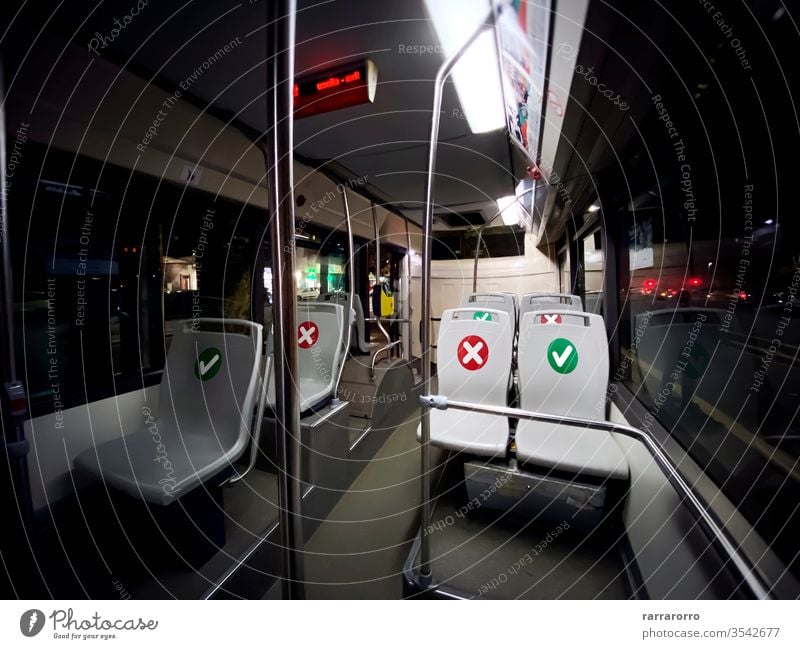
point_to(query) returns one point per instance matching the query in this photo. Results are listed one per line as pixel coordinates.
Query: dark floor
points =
(119, 548)
(487, 554)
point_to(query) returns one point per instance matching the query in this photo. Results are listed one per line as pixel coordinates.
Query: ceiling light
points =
(476, 75)
(508, 206)
(593, 207)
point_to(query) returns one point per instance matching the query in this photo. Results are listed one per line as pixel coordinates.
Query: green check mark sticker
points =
(482, 315)
(562, 356)
(208, 364)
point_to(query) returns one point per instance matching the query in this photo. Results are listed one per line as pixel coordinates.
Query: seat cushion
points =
(570, 448)
(471, 432)
(157, 467)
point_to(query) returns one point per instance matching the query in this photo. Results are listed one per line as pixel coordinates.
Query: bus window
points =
(710, 347)
(592, 269)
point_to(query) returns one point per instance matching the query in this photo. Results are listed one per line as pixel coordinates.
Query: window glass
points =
(593, 271)
(104, 262)
(710, 338)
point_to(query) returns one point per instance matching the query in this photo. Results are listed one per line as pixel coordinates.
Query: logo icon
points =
(307, 334)
(562, 356)
(208, 364)
(550, 318)
(482, 315)
(473, 353)
(31, 622)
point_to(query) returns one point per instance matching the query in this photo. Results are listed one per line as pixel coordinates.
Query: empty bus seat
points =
(208, 395)
(563, 370)
(504, 301)
(320, 353)
(358, 339)
(544, 301)
(473, 364)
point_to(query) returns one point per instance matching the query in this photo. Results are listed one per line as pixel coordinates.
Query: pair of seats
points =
(563, 370)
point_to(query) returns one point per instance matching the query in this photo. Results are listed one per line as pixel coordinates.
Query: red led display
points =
(335, 88)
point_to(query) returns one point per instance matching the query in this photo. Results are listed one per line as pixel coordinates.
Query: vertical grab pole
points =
(351, 292)
(425, 324)
(378, 272)
(278, 153)
(406, 315)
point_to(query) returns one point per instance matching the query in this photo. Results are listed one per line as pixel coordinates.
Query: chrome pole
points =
(378, 268)
(408, 347)
(278, 148)
(352, 287)
(425, 323)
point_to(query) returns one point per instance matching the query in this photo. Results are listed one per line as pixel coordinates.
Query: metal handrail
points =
(351, 281)
(427, 226)
(441, 402)
(256, 436)
(386, 348)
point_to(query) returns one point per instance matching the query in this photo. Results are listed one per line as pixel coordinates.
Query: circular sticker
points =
(562, 356)
(307, 334)
(473, 353)
(208, 364)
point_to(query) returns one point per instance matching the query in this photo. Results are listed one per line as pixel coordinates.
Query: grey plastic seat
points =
(358, 340)
(208, 395)
(548, 301)
(473, 364)
(504, 301)
(563, 370)
(320, 353)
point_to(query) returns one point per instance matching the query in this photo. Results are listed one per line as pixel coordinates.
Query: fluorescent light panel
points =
(476, 76)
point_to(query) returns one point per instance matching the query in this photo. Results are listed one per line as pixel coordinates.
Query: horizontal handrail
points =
(441, 402)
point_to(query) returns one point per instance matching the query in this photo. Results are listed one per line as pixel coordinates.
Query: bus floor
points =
(485, 553)
(104, 548)
(359, 550)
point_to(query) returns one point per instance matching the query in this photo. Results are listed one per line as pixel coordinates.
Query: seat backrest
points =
(563, 363)
(474, 355)
(503, 301)
(210, 379)
(358, 338)
(550, 301)
(320, 341)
